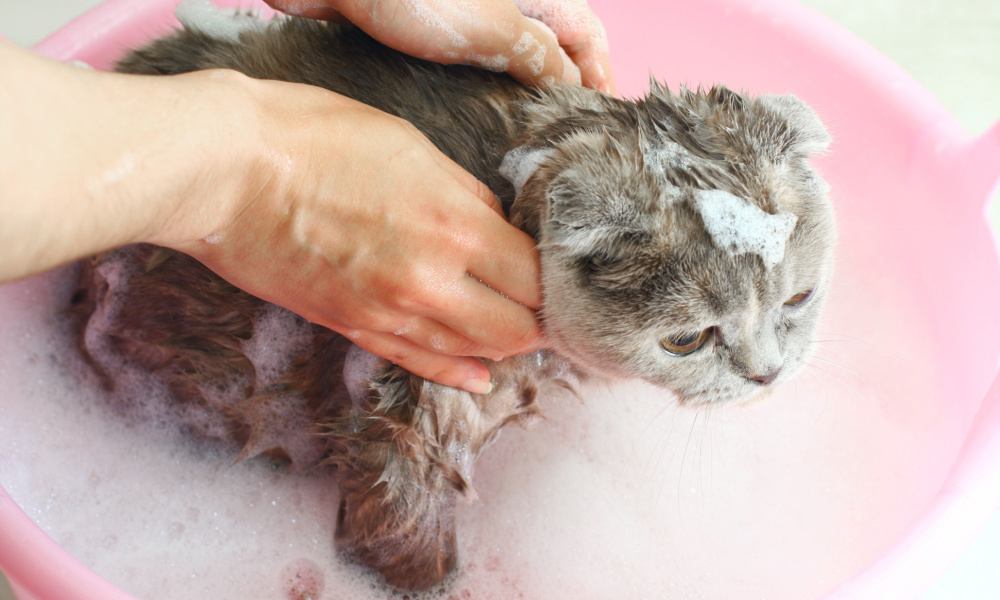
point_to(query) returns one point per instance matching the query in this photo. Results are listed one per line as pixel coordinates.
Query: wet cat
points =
(684, 239)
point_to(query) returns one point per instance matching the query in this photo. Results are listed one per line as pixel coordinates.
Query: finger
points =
(306, 8)
(581, 33)
(537, 56)
(465, 179)
(595, 71)
(506, 259)
(464, 373)
(590, 52)
(437, 338)
(482, 315)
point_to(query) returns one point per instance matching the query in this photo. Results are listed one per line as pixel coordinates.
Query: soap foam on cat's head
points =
(521, 163)
(740, 227)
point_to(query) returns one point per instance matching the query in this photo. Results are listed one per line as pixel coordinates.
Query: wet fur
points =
(621, 266)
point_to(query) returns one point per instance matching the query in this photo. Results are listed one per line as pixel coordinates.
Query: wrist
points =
(217, 159)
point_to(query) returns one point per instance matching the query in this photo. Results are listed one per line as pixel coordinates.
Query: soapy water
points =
(621, 494)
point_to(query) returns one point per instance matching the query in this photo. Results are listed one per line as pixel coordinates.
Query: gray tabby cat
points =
(684, 239)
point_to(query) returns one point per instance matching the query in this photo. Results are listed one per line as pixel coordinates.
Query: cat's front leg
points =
(398, 484)
(405, 455)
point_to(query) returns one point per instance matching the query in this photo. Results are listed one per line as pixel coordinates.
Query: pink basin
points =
(909, 189)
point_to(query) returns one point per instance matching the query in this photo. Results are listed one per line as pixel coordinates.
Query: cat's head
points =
(684, 238)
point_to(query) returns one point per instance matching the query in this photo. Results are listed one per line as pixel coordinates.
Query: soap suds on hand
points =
(567, 17)
(537, 61)
(491, 62)
(740, 227)
(430, 18)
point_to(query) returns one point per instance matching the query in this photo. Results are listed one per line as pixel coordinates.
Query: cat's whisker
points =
(838, 376)
(834, 363)
(687, 445)
(655, 470)
(649, 467)
(710, 431)
(701, 448)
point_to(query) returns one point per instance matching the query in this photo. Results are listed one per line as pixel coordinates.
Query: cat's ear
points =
(584, 224)
(809, 136)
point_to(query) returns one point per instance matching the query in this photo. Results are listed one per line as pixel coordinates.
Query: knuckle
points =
(524, 337)
(461, 346)
(397, 289)
(373, 320)
(415, 287)
(400, 356)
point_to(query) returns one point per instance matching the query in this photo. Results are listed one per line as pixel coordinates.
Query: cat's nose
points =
(765, 379)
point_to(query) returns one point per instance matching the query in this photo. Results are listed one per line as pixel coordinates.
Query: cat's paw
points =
(409, 541)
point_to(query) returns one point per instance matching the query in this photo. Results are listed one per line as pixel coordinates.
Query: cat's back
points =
(464, 111)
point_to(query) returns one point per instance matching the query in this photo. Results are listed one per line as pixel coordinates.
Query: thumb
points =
(306, 8)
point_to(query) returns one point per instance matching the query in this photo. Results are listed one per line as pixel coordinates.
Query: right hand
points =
(355, 221)
(532, 40)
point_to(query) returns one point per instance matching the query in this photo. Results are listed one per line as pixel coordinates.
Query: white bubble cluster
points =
(741, 227)
(226, 24)
(520, 164)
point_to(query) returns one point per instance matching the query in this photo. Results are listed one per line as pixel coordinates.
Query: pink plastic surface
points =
(901, 167)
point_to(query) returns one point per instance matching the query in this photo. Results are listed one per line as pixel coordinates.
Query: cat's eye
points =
(686, 343)
(799, 299)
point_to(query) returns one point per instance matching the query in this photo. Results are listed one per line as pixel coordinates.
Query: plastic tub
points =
(910, 191)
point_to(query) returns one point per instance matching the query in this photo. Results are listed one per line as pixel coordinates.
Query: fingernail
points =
(478, 386)
(571, 73)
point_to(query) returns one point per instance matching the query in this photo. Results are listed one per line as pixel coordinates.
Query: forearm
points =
(91, 161)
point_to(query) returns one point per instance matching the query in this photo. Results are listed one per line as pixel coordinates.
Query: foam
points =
(524, 43)
(278, 336)
(520, 164)
(620, 495)
(360, 367)
(667, 154)
(741, 227)
(566, 18)
(428, 15)
(536, 62)
(490, 62)
(226, 24)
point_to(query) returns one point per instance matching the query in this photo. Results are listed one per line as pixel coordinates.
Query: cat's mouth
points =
(742, 396)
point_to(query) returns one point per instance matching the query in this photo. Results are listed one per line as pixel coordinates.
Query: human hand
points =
(355, 221)
(535, 41)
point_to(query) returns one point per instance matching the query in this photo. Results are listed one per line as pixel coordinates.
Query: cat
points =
(684, 239)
